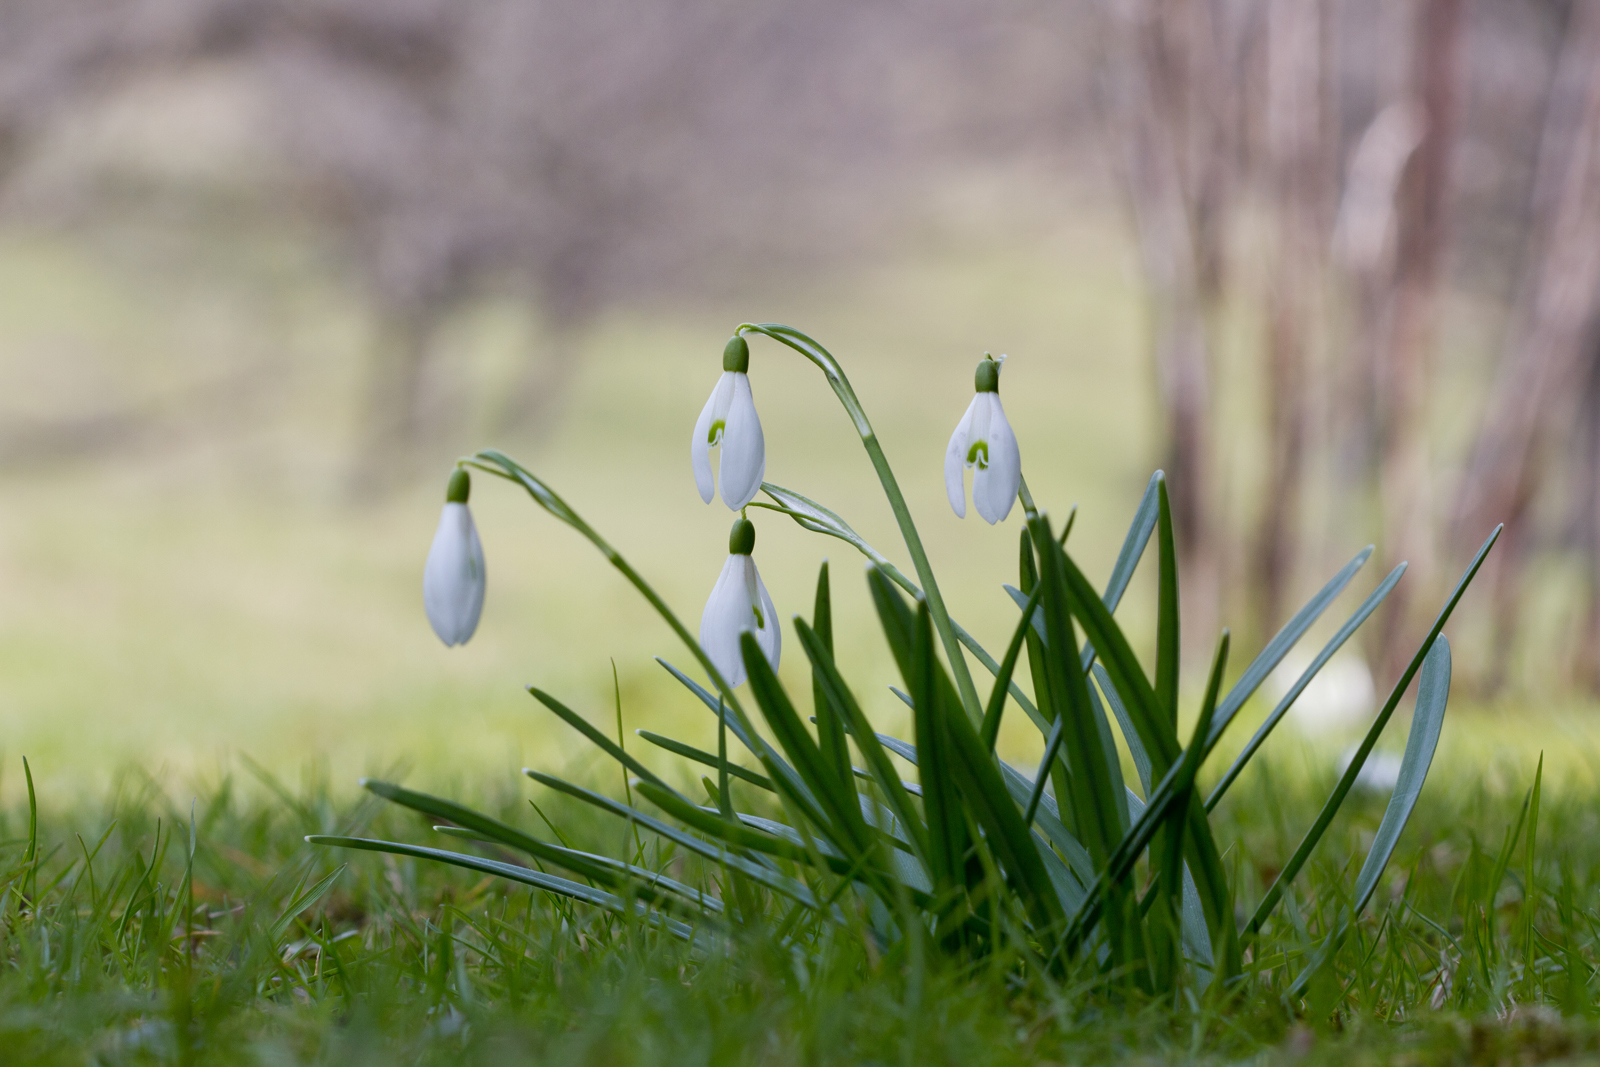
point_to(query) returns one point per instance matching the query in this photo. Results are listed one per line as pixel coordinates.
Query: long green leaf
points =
(1350, 626)
(1347, 780)
(845, 705)
(1433, 694)
(830, 730)
(678, 748)
(1282, 642)
(839, 815)
(752, 741)
(817, 518)
(598, 738)
(1002, 679)
(1166, 610)
(526, 875)
(1094, 799)
(947, 838)
(600, 869)
(980, 782)
(789, 887)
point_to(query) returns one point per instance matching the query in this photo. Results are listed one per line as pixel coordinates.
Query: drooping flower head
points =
(453, 580)
(739, 603)
(729, 420)
(983, 439)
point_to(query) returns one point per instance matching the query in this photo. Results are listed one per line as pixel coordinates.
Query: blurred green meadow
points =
(206, 578)
(216, 584)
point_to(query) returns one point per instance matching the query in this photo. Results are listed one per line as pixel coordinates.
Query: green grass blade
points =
(1529, 897)
(1351, 625)
(301, 901)
(1166, 610)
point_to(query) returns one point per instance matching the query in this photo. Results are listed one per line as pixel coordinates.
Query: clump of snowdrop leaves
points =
(453, 580)
(1062, 879)
(739, 604)
(983, 439)
(729, 420)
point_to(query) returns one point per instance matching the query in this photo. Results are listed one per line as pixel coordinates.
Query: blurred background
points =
(268, 267)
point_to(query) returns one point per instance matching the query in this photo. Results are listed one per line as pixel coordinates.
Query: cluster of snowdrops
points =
(454, 579)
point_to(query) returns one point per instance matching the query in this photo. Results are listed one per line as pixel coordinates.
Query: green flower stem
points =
(1027, 499)
(502, 466)
(908, 530)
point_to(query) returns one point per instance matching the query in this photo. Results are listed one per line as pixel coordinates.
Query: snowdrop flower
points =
(452, 582)
(729, 420)
(984, 439)
(739, 603)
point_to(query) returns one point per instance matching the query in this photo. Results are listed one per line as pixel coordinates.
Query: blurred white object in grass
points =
(453, 580)
(1341, 695)
(739, 602)
(1379, 774)
(983, 438)
(729, 420)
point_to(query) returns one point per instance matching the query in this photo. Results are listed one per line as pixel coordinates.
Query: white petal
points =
(955, 458)
(769, 635)
(453, 581)
(727, 615)
(994, 489)
(716, 410)
(744, 450)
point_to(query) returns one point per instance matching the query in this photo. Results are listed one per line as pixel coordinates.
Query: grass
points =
(109, 962)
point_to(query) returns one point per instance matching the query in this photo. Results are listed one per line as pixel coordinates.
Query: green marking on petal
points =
(979, 454)
(716, 432)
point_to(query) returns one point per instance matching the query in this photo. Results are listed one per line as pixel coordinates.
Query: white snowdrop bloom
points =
(453, 580)
(729, 420)
(739, 603)
(983, 439)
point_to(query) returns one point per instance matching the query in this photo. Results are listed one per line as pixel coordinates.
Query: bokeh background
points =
(267, 267)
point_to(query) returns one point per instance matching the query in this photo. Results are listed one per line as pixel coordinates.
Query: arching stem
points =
(830, 368)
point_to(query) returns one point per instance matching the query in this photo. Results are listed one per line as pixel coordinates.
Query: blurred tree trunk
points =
(1534, 404)
(1586, 495)
(1298, 156)
(1173, 112)
(1405, 485)
(392, 423)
